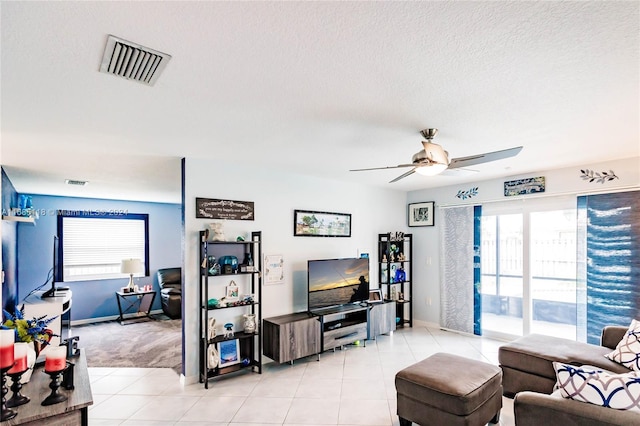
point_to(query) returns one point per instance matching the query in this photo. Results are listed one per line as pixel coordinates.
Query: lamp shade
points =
(131, 266)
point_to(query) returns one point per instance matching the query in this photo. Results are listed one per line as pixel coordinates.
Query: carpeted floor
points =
(142, 344)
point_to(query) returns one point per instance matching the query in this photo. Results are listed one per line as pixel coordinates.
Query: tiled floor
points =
(349, 387)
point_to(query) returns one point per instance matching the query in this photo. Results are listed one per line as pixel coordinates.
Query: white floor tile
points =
(354, 386)
(313, 411)
(214, 409)
(263, 410)
(364, 412)
(166, 408)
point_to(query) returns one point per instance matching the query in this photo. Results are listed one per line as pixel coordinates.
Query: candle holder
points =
(17, 398)
(7, 413)
(54, 397)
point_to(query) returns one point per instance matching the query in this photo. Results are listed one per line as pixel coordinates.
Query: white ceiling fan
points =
(433, 160)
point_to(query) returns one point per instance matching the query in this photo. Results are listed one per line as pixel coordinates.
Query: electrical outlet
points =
(428, 300)
(428, 260)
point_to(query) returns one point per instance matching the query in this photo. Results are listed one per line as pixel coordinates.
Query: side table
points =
(140, 301)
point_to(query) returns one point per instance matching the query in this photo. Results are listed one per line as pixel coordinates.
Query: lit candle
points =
(7, 338)
(56, 359)
(20, 356)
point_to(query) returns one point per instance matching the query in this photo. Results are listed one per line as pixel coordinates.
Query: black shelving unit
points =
(395, 254)
(250, 343)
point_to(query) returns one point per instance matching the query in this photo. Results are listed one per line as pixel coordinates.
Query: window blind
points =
(93, 248)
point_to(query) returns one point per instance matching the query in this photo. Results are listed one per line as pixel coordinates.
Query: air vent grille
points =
(132, 61)
(75, 182)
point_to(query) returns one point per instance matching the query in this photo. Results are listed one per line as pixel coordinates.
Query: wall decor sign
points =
(273, 269)
(207, 208)
(421, 214)
(463, 195)
(593, 176)
(524, 186)
(308, 223)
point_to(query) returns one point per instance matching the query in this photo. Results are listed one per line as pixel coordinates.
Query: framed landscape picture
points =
(229, 351)
(421, 214)
(321, 224)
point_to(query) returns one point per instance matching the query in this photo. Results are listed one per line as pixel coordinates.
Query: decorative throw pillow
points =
(627, 352)
(599, 387)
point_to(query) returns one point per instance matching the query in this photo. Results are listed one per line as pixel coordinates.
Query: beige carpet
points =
(143, 344)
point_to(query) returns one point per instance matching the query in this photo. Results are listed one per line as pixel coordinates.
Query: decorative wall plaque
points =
(207, 208)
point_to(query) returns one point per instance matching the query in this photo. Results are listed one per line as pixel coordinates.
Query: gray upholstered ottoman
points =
(447, 389)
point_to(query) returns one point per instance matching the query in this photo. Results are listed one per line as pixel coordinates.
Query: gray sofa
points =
(528, 374)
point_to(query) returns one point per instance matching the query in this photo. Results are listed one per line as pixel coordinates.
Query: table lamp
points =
(131, 267)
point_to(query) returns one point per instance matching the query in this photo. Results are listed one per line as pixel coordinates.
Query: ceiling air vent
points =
(132, 61)
(75, 182)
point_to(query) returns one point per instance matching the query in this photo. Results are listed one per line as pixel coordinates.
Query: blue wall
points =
(9, 246)
(95, 299)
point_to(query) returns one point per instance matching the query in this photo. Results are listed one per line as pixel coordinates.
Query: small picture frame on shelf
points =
(229, 352)
(232, 291)
(375, 296)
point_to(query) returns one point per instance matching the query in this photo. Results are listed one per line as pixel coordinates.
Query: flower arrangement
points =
(29, 330)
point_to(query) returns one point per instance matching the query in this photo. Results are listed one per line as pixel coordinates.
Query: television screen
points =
(334, 282)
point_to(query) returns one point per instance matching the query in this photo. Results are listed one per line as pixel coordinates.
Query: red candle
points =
(56, 359)
(20, 357)
(7, 337)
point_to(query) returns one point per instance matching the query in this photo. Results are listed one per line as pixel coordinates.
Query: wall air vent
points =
(76, 182)
(132, 61)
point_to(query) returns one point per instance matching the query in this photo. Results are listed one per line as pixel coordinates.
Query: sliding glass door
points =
(528, 268)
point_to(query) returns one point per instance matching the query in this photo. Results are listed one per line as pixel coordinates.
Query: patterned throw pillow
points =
(599, 387)
(627, 352)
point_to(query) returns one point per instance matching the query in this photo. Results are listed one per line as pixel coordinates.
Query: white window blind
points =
(93, 248)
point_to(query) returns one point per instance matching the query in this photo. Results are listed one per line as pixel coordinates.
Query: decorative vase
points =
(32, 355)
(249, 323)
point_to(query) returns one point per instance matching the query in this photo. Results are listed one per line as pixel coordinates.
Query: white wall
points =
(276, 195)
(426, 240)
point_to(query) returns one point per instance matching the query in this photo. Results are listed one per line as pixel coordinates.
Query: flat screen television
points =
(335, 282)
(56, 276)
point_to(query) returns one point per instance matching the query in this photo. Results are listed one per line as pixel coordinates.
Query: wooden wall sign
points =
(207, 208)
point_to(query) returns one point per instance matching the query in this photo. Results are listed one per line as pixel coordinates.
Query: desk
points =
(141, 301)
(72, 412)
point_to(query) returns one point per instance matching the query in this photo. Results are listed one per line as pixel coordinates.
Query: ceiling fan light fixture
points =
(431, 169)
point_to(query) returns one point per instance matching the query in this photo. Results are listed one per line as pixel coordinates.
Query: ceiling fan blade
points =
(383, 168)
(404, 175)
(458, 172)
(484, 158)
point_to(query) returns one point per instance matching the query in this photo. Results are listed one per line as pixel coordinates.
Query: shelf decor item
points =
(229, 351)
(421, 214)
(249, 323)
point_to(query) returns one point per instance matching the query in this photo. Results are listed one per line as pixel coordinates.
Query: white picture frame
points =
(229, 352)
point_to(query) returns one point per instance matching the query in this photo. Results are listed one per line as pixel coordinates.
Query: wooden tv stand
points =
(343, 325)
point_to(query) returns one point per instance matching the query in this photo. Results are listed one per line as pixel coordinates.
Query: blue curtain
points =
(477, 295)
(609, 276)
(460, 269)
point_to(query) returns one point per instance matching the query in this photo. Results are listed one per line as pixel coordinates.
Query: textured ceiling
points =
(317, 88)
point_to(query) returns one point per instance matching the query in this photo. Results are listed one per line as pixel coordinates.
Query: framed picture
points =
(524, 186)
(321, 224)
(421, 214)
(375, 296)
(229, 351)
(232, 291)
